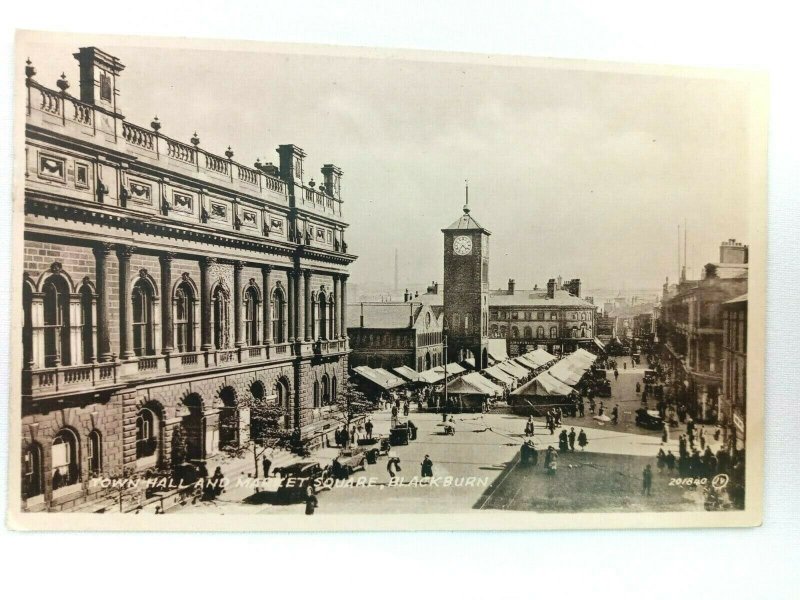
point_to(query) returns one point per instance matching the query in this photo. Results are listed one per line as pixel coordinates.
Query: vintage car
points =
(348, 461)
(375, 447)
(297, 477)
(603, 388)
(649, 419)
(402, 434)
(649, 376)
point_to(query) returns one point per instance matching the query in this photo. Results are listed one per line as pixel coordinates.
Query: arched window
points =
(27, 325)
(32, 481)
(143, 301)
(503, 331)
(514, 332)
(87, 324)
(527, 332)
(185, 304)
(221, 303)
(540, 332)
(251, 313)
(583, 330)
(494, 330)
(334, 390)
(553, 332)
(64, 460)
(583, 316)
(146, 434)
(466, 323)
(95, 448)
(574, 331)
(326, 390)
(56, 322)
(321, 329)
(278, 316)
(316, 394)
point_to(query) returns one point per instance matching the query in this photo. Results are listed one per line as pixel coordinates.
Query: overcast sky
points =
(576, 172)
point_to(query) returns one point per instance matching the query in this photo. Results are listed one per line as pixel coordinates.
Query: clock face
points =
(462, 245)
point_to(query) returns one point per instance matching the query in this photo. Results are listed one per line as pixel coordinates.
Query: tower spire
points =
(466, 190)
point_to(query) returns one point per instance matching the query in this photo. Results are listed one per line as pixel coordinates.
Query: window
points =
(32, 484)
(331, 318)
(278, 316)
(333, 389)
(146, 438)
(251, 312)
(553, 316)
(540, 316)
(95, 449)
(27, 325)
(321, 326)
(326, 390)
(515, 332)
(87, 324)
(527, 333)
(143, 300)
(65, 459)
(553, 332)
(540, 332)
(466, 324)
(185, 304)
(503, 331)
(221, 304)
(316, 394)
(56, 322)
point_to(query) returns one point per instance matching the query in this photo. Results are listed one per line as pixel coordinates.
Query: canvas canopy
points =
(379, 379)
(481, 381)
(407, 372)
(541, 356)
(497, 350)
(501, 376)
(434, 375)
(545, 384)
(513, 368)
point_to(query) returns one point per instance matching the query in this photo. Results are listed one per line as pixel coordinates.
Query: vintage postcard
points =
(286, 287)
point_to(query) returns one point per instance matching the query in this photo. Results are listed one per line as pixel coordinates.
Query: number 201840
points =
(687, 481)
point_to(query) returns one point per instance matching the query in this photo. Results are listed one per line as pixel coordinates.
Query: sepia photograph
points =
(295, 287)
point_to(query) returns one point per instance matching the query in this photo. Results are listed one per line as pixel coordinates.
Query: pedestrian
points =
(563, 442)
(572, 437)
(551, 425)
(216, 482)
(615, 414)
(702, 438)
(427, 467)
(394, 416)
(665, 433)
(550, 460)
(647, 480)
(266, 463)
(602, 410)
(393, 466)
(337, 437)
(311, 500)
(345, 437)
(353, 435)
(592, 405)
(583, 441)
(625, 365)
(616, 374)
(529, 427)
(581, 407)
(670, 461)
(405, 408)
(661, 460)
(368, 428)
(638, 387)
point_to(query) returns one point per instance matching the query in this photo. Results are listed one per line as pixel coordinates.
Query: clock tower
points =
(466, 289)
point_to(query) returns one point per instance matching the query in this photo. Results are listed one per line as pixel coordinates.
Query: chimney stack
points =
(99, 74)
(291, 163)
(551, 288)
(333, 180)
(511, 286)
(733, 252)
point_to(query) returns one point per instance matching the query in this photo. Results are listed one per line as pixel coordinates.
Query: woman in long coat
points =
(427, 466)
(583, 441)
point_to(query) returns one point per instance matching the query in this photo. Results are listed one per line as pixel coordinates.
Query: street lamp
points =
(444, 348)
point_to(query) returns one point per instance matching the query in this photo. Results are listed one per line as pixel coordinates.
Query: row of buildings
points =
(702, 328)
(166, 291)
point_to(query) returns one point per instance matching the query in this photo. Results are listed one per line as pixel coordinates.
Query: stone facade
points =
(165, 290)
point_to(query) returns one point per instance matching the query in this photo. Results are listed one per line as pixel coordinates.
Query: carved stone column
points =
(205, 301)
(237, 303)
(165, 260)
(266, 286)
(307, 296)
(101, 253)
(337, 303)
(343, 307)
(299, 312)
(125, 305)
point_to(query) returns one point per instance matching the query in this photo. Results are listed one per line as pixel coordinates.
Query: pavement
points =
(481, 460)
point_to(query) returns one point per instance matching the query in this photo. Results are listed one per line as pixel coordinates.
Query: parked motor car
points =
(403, 433)
(649, 419)
(297, 477)
(348, 461)
(375, 447)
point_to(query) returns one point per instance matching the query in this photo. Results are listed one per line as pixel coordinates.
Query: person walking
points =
(572, 437)
(581, 407)
(616, 374)
(406, 408)
(602, 410)
(583, 441)
(427, 467)
(647, 480)
(529, 427)
(345, 437)
(311, 500)
(368, 428)
(615, 414)
(665, 433)
(393, 466)
(670, 460)
(661, 460)
(563, 441)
